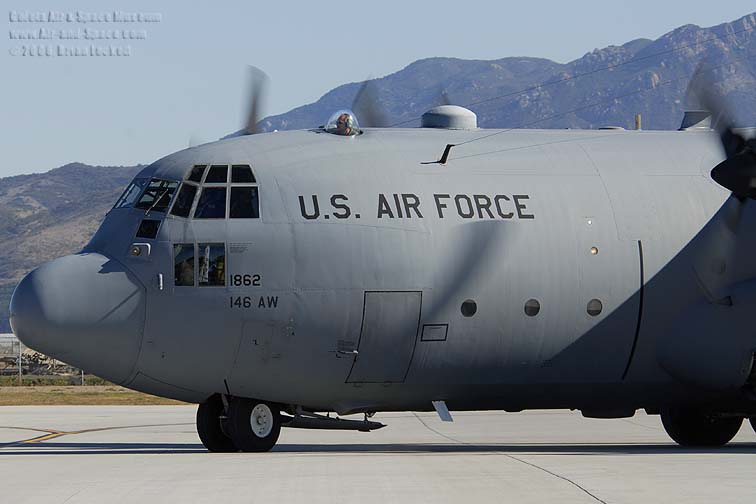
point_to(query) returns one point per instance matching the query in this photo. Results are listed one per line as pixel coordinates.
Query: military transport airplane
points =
(274, 278)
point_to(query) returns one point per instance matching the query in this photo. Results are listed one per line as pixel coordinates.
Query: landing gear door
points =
(387, 340)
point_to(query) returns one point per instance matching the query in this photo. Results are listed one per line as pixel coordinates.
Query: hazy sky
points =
(186, 78)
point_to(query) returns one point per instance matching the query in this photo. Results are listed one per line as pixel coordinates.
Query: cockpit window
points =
(242, 174)
(212, 264)
(130, 195)
(218, 174)
(183, 264)
(195, 175)
(225, 191)
(212, 203)
(343, 123)
(184, 200)
(157, 196)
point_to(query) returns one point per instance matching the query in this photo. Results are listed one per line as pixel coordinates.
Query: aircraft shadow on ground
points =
(52, 448)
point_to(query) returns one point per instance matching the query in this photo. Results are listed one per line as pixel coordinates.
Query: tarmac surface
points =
(94, 454)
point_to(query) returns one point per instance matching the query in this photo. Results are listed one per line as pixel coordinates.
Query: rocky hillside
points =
(43, 216)
(637, 65)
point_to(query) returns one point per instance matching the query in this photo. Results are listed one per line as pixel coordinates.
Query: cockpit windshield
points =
(130, 195)
(158, 195)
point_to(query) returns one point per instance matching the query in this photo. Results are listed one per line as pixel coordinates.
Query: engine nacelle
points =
(712, 345)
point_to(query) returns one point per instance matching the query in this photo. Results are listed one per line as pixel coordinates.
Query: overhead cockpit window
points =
(343, 123)
(195, 175)
(184, 200)
(245, 203)
(157, 196)
(218, 174)
(212, 264)
(242, 174)
(130, 195)
(211, 204)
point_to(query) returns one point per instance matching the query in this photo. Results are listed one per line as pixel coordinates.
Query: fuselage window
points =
(195, 175)
(242, 174)
(218, 174)
(245, 203)
(211, 204)
(212, 264)
(183, 264)
(130, 195)
(184, 200)
(148, 228)
(158, 195)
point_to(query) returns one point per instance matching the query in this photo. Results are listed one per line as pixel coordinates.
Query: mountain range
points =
(639, 71)
(46, 215)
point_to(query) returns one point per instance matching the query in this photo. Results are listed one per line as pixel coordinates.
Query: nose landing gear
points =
(211, 426)
(243, 425)
(254, 426)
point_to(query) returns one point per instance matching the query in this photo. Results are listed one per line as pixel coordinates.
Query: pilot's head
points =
(345, 124)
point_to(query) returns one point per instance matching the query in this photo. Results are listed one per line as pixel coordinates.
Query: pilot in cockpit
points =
(343, 123)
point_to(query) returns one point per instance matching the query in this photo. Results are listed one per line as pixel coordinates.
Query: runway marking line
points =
(52, 433)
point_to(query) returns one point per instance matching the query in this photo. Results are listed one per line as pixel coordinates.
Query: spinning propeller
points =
(718, 263)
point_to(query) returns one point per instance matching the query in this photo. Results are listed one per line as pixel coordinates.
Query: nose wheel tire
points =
(210, 422)
(694, 428)
(254, 426)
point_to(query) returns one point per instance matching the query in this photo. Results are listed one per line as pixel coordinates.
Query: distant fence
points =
(18, 360)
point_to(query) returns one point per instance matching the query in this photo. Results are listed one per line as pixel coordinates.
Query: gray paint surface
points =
(561, 194)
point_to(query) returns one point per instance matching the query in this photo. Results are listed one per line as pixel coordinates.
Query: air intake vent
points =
(696, 120)
(449, 117)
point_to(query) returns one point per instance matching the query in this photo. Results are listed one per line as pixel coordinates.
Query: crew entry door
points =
(387, 339)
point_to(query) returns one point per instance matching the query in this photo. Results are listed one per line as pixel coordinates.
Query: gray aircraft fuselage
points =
(347, 293)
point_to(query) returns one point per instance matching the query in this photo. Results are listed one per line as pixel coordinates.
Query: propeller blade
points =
(718, 244)
(479, 245)
(365, 106)
(738, 171)
(257, 84)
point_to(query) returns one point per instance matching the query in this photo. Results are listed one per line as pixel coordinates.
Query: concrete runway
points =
(94, 454)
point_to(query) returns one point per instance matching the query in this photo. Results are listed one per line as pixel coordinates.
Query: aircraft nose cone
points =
(86, 310)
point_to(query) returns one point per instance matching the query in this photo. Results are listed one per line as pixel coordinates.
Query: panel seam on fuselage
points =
(640, 311)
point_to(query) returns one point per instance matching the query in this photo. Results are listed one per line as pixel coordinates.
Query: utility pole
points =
(19, 362)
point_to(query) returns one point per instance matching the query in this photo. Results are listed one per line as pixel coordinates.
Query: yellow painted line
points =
(46, 437)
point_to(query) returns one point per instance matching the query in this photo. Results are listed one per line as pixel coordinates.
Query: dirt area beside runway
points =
(57, 395)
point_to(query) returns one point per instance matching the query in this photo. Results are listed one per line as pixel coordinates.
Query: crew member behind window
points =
(343, 123)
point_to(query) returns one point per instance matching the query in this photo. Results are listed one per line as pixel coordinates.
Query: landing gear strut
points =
(253, 425)
(211, 420)
(694, 428)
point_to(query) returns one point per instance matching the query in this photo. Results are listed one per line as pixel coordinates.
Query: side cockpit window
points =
(131, 194)
(183, 264)
(184, 200)
(218, 192)
(210, 264)
(157, 196)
